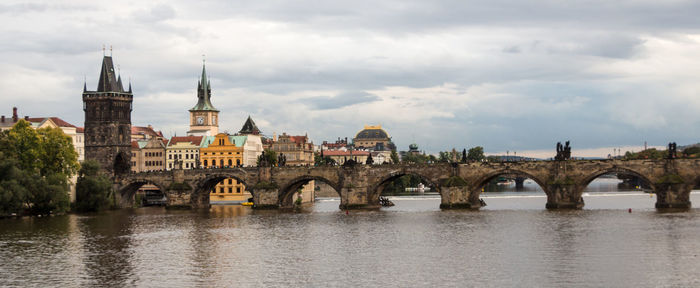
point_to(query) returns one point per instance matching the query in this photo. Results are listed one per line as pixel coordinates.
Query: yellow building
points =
(219, 151)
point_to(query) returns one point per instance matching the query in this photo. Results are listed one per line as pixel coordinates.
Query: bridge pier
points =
(564, 196)
(354, 197)
(266, 198)
(673, 195)
(459, 197)
(519, 182)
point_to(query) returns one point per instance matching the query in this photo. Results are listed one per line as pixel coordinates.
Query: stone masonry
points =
(459, 186)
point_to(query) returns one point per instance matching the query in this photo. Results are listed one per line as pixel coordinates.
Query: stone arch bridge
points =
(459, 185)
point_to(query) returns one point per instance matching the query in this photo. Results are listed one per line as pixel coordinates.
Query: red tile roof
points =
(60, 122)
(134, 144)
(345, 153)
(137, 130)
(80, 130)
(191, 139)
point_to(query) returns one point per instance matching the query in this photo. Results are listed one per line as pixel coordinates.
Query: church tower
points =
(108, 121)
(203, 116)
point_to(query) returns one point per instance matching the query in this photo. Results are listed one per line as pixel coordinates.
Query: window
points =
(221, 190)
(230, 190)
(221, 162)
(230, 163)
(230, 181)
(238, 189)
(170, 156)
(238, 162)
(205, 163)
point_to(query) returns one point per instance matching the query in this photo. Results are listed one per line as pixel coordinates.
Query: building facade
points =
(341, 156)
(108, 121)
(148, 155)
(253, 146)
(219, 151)
(203, 116)
(298, 151)
(183, 152)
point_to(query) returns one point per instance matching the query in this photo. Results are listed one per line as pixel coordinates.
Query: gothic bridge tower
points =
(108, 121)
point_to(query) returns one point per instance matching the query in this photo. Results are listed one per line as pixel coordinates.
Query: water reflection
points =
(412, 244)
(106, 248)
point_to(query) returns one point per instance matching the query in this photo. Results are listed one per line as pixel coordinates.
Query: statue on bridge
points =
(281, 160)
(563, 152)
(262, 160)
(672, 149)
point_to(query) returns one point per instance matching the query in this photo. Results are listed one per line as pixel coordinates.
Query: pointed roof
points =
(108, 80)
(204, 93)
(249, 127)
(119, 84)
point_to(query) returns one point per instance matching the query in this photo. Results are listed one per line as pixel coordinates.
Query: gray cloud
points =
(504, 75)
(341, 100)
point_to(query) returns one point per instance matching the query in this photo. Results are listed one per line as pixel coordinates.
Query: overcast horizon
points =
(505, 75)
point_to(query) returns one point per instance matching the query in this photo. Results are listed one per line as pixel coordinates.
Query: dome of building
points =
(372, 132)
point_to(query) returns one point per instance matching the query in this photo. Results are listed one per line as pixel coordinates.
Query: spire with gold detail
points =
(204, 93)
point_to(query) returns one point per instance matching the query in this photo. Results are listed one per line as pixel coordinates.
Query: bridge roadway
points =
(459, 185)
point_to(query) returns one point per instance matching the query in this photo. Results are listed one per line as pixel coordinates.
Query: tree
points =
(394, 157)
(34, 170)
(369, 160)
(464, 156)
(476, 154)
(93, 189)
(57, 154)
(270, 156)
(325, 160)
(444, 157)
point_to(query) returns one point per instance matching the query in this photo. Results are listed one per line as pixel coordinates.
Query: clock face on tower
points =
(200, 120)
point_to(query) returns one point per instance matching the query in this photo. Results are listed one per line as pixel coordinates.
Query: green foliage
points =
(416, 158)
(34, 170)
(670, 179)
(476, 154)
(399, 185)
(57, 154)
(271, 157)
(693, 152)
(319, 161)
(454, 181)
(394, 157)
(650, 153)
(444, 157)
(93, 189)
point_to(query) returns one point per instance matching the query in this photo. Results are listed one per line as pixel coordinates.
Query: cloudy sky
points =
(506, 75)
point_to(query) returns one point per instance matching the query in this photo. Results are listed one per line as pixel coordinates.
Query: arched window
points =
(238, 162)
(230, 163)
(221, 162)
(205, 163)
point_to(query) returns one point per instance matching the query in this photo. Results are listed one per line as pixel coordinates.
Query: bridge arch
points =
(482, 180)
(127, 192)
(288, 189)
(377, 187)
(615, 169)
(204, 186)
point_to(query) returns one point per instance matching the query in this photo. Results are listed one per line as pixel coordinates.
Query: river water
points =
(513, 241)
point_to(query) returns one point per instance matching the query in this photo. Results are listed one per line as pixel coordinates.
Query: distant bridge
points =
(459, 185)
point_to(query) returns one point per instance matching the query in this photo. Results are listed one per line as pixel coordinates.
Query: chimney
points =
(14, 114)
(3, 118)
(150, 127)
(26, 118)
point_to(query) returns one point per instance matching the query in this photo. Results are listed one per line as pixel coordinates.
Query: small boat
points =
(247, 204)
